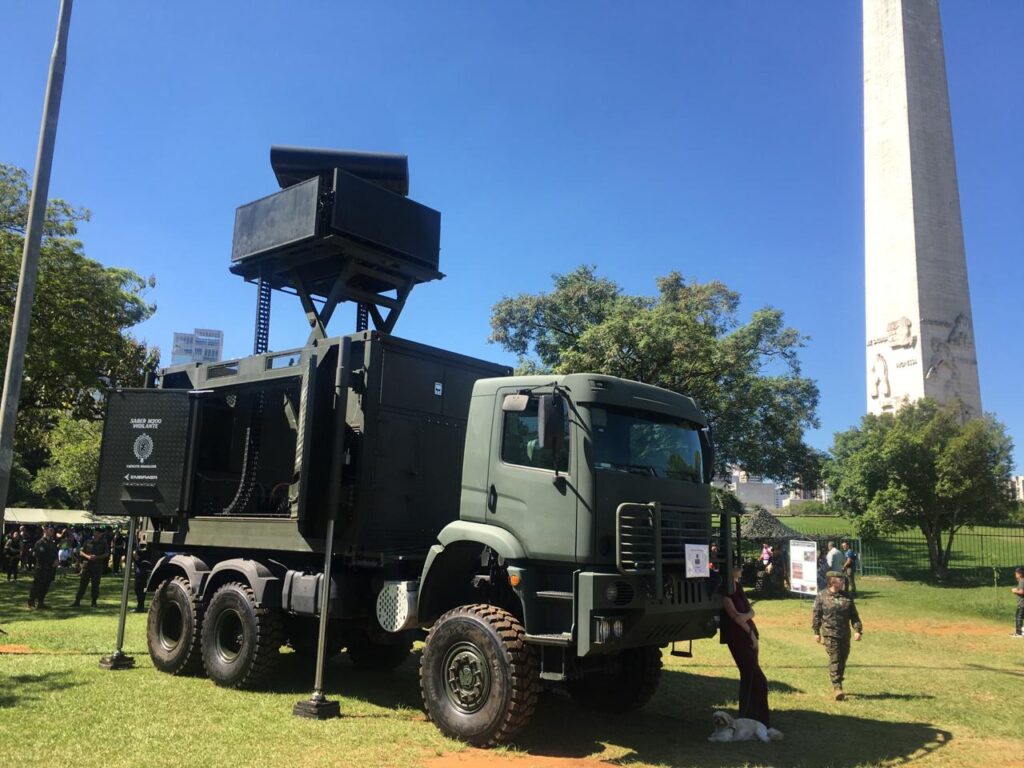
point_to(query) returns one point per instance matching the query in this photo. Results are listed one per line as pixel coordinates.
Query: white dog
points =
(728, 728)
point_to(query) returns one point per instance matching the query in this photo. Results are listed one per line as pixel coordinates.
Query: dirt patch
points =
(15, 649)
(484, 757)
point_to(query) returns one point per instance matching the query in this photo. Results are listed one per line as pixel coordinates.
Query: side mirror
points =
(708, 453)
(550, 421)
(515, 403)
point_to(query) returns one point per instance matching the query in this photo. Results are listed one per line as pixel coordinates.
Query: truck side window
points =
(520, 443)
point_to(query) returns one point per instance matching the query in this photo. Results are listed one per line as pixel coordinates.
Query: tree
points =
(922, 467)
(689, 339)
(74, 449)
(78, 344)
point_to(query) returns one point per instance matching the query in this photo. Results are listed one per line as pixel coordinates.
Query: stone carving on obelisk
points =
(920, 337)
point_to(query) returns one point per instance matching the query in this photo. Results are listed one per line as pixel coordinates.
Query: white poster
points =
(697, 558)
(803, 567)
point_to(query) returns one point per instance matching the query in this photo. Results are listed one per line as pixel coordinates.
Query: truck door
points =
(531, 490)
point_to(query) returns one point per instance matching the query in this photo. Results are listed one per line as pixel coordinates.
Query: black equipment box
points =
(412, 419)
(145, 455)
(309, 230)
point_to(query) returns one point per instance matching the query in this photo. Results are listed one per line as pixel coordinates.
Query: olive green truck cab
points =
(532, 530)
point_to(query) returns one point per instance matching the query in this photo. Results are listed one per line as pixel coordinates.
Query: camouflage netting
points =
(761, 525)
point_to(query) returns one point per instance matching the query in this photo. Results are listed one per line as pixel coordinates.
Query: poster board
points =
(803, 567)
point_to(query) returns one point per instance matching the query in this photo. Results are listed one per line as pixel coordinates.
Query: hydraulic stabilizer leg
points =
(118, 659)
(318, 706)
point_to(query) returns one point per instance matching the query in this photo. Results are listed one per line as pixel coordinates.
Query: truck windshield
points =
(646, 443)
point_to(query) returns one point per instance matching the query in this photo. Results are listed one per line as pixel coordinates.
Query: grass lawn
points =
(932, 682)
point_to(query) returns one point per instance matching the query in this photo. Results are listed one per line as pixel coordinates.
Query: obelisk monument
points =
(920, 334)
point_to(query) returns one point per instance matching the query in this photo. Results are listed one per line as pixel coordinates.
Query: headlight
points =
(603, 630)
(617, 628)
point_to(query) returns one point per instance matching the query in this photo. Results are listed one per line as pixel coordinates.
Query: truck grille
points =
(636, 535)
(683, 591)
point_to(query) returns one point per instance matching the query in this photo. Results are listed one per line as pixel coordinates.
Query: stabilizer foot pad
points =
(317, 709)
(117, 660)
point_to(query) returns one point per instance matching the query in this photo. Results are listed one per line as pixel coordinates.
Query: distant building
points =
(1017, 483)
(798, 496)
(752, 490)
(203, 345)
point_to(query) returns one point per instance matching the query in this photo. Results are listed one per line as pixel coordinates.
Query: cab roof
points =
(602, 389)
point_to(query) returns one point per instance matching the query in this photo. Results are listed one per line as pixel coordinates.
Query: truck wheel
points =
(173, 628)
(478, 677)
(241, 638)
(379, 657)
(627, 683)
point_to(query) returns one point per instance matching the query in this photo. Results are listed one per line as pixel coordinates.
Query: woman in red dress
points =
(741, 636)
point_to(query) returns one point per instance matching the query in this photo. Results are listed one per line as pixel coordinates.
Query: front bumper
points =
(616, 611)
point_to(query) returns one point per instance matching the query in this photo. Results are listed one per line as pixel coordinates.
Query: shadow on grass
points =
(394, 689)
(562, 729)
(17, 689)
(672, 730)
(983, 668)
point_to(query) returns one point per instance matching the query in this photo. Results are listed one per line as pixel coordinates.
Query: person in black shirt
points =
(142, 567)
(45, 552)
(117, 545)
(94, 556)
(12, 555)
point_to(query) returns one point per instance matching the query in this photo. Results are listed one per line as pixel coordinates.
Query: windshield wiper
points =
(634, 469)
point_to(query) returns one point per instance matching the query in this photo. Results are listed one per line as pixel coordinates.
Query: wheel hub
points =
(467, 677)
(230, 636)
(171, 627)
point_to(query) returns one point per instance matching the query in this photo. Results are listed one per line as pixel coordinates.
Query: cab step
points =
(557, 638)
(554, 594)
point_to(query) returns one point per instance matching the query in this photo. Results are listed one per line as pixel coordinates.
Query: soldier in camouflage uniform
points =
(834, 613)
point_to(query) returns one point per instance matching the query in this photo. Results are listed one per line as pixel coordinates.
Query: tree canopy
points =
(922, 467)
(78, 343)
(688, 338)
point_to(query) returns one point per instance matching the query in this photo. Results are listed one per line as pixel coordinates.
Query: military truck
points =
(535, 530)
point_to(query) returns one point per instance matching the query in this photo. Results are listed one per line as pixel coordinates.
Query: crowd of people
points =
(19, 543)
(46, 552)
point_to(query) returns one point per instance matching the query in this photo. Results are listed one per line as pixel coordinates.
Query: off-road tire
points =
(627, 684)
(173, 628)
(478, 677)
(241, 637)
(378, 657)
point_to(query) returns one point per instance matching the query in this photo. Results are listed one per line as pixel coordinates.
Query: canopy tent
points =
(18, 516)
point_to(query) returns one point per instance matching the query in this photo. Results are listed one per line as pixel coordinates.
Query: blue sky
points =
(722, 140)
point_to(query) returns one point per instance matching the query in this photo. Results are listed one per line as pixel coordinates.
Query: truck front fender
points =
(446, 579)
(501, 541)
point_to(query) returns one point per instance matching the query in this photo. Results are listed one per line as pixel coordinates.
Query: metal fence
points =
(974, 554)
